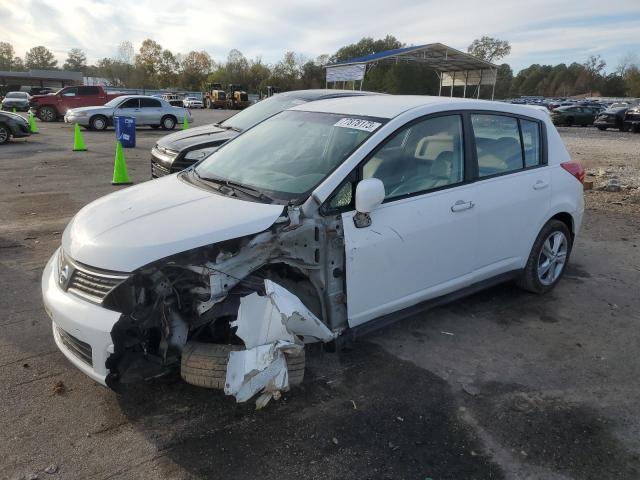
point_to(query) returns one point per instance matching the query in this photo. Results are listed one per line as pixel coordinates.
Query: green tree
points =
(168, 69)
(489, 48)
(76, 60)
(148, 61)
(194, 69)
(366, 46)
(40, 58)
(6, 55)
(504, 80)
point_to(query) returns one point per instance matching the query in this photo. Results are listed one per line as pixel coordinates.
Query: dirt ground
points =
(503, 384)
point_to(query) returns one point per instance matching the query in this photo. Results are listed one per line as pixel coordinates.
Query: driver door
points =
(421, 240)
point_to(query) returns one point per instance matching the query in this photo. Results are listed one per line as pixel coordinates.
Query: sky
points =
(540, 31)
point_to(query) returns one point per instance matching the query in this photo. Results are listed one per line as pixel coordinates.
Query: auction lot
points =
(503, 384)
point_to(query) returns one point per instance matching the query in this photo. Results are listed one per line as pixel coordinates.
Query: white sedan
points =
(192, 102)
(323, 221)
(147, 110)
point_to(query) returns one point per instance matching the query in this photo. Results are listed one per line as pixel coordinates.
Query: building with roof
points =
(453, 67)
(39, 78)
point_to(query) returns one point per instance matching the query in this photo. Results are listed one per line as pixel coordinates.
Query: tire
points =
(532, 279)
(168, 122)
(208, 104)
(5, 134)
(205, 365)
(98, 122)
(47, 114)
(602, 129)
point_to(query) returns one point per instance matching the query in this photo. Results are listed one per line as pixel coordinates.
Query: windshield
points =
(16, 95)
(286, 156)
(260, 111)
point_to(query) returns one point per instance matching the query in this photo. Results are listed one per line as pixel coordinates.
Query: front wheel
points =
(168, 122)
(47, 114)
(98, 122)
(548, 258)
(5, 134)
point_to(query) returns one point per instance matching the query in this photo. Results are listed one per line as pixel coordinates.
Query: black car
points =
(180, 150)
(611, 118)
(16, 100)
(12, 125)
(632, 119)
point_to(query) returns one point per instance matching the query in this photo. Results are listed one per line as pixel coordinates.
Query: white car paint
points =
(415, 249)
(135, 226)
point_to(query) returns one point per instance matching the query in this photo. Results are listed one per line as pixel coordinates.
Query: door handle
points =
(540, 184)
(461, 205)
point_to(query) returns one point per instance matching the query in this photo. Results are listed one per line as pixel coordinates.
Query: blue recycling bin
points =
(125, 131)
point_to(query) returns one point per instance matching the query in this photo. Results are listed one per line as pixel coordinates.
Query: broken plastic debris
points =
(269, 327)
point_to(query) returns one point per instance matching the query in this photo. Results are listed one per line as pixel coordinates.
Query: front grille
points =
(93, 285)
(633, 116)
(79, 348)
(158, 170)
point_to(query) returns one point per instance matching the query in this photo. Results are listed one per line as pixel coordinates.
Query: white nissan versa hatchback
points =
(314, 225)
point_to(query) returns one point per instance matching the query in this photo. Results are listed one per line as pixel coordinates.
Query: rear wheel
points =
(168, 122)
(47, 114)
(5, 134)
(548, 258)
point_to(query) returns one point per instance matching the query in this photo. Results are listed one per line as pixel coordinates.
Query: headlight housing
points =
(200, 153)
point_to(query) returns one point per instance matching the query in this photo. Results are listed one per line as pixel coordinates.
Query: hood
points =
(46, 95)
(14, 116)
(133, 227)
(197, 136)
(15, 100)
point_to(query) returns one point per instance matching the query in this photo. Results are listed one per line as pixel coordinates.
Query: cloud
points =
(543, 31)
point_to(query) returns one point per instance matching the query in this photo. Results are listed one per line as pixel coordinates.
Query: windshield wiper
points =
(227, 127)
(236, 187)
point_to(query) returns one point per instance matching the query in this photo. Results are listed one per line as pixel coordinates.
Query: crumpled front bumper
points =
(82, 320)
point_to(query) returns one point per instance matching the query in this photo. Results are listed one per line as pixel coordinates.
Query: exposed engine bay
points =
(292, 273)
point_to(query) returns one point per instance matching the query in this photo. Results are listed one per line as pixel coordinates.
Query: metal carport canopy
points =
(453, 67)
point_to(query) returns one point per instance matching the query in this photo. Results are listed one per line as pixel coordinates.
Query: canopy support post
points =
(440, 74)
(466, 78)
(495, 79)
(479, 84)
(453, 84)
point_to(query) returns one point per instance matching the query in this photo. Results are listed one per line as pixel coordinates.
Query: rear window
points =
(149, 103)
(505, 144)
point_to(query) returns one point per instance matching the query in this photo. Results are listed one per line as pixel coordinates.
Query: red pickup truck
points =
(53, 106)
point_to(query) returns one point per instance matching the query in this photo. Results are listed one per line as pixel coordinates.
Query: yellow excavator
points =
(237, 97)
(215, 96)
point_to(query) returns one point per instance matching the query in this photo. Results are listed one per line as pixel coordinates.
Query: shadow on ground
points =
(368, 415)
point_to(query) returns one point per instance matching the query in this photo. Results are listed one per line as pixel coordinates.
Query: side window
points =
(423, 156)
(531, 140)
(497, 144)
(149, 103)
(85, 91)
(70, 92)
(131, 103)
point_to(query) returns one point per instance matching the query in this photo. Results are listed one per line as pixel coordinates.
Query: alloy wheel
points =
(552, 258)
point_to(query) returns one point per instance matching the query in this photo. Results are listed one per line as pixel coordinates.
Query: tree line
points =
(153, 66)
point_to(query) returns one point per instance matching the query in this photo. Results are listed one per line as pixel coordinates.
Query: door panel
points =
(415, 249)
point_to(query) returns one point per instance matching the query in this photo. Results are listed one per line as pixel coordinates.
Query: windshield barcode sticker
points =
(358, 124)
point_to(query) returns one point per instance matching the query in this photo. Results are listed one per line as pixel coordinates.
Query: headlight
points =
(200, 154)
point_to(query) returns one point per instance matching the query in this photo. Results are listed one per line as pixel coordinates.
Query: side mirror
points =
(369, 195)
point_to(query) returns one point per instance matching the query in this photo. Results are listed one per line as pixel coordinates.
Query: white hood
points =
(138, 225)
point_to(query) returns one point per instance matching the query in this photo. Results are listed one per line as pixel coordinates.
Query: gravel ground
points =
(502, 384)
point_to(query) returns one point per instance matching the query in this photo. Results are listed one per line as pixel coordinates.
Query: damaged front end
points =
(267, 294)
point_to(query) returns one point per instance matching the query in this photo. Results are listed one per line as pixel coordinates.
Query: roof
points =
(436, 55)
(390, 106)
(44, 75)
(318, 93)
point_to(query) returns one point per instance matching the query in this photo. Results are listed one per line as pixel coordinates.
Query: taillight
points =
(575, 169)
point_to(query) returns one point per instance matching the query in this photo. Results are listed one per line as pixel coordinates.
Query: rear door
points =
(150, 112)
(89, 96)
(421, 240)
(513, 190)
